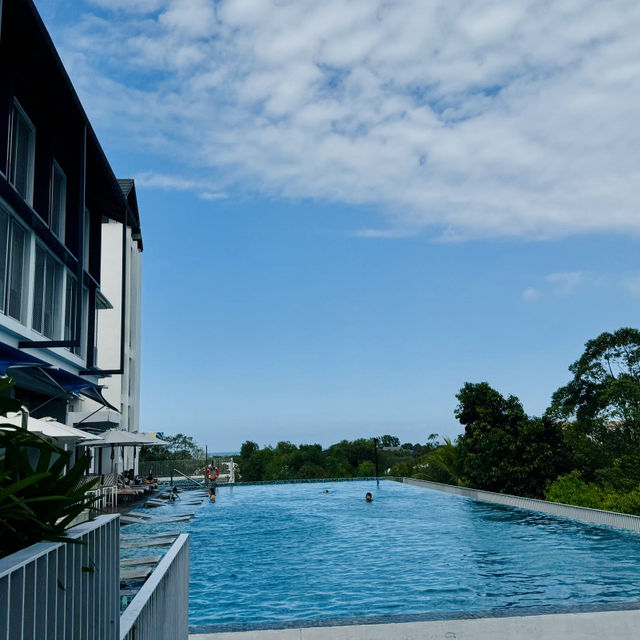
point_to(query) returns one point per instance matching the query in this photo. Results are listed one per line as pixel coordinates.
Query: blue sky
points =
(350, 209)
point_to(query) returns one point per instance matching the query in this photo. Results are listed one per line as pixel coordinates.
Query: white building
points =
(118, 339)
(61, 208)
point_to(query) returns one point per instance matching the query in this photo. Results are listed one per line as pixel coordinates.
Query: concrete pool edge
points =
(433, 616)
(583, 514)
(613, 625)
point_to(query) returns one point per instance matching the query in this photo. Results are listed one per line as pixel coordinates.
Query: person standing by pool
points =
(368, 497)
(211, 475)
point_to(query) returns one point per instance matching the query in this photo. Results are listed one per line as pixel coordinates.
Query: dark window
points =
(23, 145)
(13, 267)
(47, 294)
(4, 253)
(58, 201)
(71, 307)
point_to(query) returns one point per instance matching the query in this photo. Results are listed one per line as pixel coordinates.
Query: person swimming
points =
(368, 497)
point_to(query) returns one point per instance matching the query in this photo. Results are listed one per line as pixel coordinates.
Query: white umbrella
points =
(117, 437)
(50, 428)
(152, 440)
(125, 438)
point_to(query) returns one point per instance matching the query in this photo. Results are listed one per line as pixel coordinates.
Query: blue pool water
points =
(272, 553)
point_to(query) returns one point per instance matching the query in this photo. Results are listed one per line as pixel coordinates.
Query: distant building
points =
(70, 243)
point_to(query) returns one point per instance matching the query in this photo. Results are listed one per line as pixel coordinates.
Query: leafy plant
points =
(442, 464)
(571, 489)
(40, 494)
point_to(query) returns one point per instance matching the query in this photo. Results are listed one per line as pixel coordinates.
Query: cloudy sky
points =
(352, 207)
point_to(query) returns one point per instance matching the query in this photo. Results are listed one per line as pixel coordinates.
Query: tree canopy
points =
(181, 447)
(604, 394)
(502, 449)
(344, 459)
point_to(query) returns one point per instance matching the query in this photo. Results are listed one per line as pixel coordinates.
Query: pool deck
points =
(612, 625)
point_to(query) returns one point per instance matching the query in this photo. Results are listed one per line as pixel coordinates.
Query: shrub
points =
(39, 494)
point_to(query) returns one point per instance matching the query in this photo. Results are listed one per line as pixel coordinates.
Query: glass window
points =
(18, 255)
(38, 290)
(79, 351)
(58, 200)
(47, 295)
(14, 254)
(87, 236)
(23, 145)
(71, 307)
(4, 251)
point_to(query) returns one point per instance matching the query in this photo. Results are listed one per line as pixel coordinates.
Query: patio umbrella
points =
(149, 441)
(50, 428)
(119, 437)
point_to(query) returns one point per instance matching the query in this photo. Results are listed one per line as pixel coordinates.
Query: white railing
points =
(160, 610)
(63, 590)
(584, 514)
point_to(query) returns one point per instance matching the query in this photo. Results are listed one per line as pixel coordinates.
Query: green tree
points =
(181, 447)
(254, 467)
(504, 450)
(366, 469)
(605, 383)
(601, 403)
(388, 441)
(248, 448)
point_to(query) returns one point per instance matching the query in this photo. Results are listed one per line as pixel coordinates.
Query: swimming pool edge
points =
(613, 625)
(583, 514)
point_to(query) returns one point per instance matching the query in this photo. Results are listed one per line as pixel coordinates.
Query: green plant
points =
(571, 489)
(40, 494)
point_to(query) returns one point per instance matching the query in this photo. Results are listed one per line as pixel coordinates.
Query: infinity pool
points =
(265, 555)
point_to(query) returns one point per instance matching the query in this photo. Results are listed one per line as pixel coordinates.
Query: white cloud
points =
(130, 6)
(567, 282)
(383, 233)
(531, 295)
(485, 119)
(632, 285)
(203, 188)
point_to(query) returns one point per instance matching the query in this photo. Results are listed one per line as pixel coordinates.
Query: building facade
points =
(70, 243)
(117, 338)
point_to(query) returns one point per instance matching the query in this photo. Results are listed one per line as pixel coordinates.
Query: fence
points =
(160, 610)
(584, 514)
(191, 467)
(63, 590)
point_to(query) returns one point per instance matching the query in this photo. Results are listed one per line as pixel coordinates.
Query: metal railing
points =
(63, 590)
(160, 610)
(190, 466)
(184, 475)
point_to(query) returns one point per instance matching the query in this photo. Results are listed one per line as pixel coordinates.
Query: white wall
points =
(122, 391)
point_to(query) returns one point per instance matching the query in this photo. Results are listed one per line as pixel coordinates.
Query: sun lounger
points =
(137, 573)
(125, 519)
(139, 514)
(134, 562)
(157, 542)
(149, 536)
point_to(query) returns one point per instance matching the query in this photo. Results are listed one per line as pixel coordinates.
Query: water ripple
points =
(267, 554)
